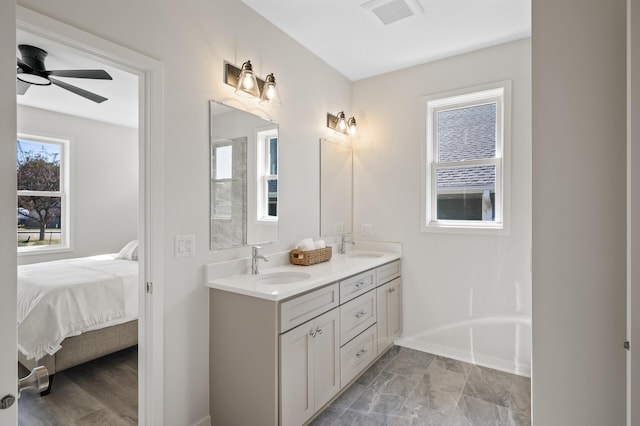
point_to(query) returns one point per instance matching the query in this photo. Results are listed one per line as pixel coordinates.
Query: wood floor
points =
(100, 392)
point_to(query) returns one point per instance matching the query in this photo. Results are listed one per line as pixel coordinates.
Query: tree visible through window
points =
(464, 158)
(41, 197)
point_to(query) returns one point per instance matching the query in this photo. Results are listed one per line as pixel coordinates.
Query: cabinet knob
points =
(318, 330)
(391, 290)
(312, 333)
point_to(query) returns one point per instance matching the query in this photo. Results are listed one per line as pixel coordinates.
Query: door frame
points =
(633, 211)
(150, 197)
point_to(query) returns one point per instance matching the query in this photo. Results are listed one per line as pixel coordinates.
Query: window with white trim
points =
(464, 166)
(267, 160)
(42, 197)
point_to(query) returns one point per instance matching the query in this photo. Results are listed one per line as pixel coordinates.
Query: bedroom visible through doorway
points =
(78, 220)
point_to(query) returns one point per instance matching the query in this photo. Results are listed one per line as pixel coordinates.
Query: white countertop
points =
(339, 267)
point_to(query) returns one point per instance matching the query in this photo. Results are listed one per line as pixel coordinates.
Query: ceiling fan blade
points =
(78, 91)
(22, 87)
(97, 74)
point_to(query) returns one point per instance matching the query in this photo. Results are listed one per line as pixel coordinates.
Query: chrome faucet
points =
(341, 245)
(254, 259)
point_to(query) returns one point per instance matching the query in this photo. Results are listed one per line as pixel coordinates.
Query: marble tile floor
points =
(407, 387)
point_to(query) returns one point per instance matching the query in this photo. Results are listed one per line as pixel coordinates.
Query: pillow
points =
(129, 252)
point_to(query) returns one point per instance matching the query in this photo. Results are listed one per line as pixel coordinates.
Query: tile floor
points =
(408, 387)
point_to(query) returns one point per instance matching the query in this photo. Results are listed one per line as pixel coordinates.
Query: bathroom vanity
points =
(286, 342)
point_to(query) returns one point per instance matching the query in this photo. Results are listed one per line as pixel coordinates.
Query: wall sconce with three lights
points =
(340, 124)
(247, 84)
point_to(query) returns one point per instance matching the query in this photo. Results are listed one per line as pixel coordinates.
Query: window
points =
(42, 198)
(464, 166)
(268, 175)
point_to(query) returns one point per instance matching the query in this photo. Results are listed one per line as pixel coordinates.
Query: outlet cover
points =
(185, 245)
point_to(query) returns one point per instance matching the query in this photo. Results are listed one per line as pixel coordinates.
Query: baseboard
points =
(461, 355)
(204, 422)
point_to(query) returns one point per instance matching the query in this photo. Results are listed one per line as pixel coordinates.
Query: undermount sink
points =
(272, 278)
(363, 254)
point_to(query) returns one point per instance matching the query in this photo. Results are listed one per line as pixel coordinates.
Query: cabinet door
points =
(326, 354)
(296, 375)
(394, 309)
(389, 313)
(382, 297)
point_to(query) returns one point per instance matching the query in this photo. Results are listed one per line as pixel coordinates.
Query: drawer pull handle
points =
(360, 284)
(361, 352)
(391, 290)
(360, 314)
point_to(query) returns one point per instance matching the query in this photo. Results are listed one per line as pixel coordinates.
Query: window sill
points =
(43, 251)
(454, 227)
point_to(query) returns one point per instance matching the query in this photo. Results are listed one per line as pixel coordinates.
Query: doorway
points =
(150, 141)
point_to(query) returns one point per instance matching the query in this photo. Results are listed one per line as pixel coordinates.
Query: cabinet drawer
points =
(386, 273)
(357, 285)
(356, 316)
(296, 311)
(356, 355)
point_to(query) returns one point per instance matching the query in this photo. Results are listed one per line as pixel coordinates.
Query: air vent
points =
(394, 10)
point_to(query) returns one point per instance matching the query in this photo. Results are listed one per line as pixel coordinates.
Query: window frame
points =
(498, 92)
(64, 194)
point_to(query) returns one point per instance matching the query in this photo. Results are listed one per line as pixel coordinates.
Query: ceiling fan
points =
(31, 70)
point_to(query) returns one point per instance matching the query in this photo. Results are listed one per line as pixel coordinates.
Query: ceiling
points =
(122, 92)
(350, 35)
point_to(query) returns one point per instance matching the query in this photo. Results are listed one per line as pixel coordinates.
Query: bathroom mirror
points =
(336, 188)
(244, 178)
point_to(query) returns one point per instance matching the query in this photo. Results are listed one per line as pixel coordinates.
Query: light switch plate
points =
(185, 245)
(367, 229)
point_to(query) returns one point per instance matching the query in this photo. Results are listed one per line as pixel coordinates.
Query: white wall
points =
(579, 212)
(465, 296)
(192, 38)
(104, 181)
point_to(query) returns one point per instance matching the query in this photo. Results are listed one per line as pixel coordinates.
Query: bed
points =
(76, 310)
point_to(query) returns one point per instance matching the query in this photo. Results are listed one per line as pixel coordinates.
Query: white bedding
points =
(67, 297)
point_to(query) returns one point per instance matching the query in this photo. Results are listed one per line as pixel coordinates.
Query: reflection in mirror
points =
(244, 178)
(336, 188)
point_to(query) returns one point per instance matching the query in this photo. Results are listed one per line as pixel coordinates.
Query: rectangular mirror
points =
(244, 178)
(336, 188)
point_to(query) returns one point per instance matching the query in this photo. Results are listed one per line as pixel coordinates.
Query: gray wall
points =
(579, 213)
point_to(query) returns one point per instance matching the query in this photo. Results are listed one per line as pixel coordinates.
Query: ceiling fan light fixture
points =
(33, 79)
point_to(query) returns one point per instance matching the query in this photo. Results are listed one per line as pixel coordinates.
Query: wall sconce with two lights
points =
(340, 124)
(247, 84)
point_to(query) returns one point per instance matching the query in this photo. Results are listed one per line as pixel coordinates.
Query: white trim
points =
(499, 92)
(151, 176)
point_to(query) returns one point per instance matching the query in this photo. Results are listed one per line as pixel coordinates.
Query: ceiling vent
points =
(389, 11)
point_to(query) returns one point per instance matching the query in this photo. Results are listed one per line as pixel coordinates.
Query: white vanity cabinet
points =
(278, 359)
(309, 368)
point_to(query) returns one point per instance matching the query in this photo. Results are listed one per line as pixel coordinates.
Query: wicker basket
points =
(310, 257)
